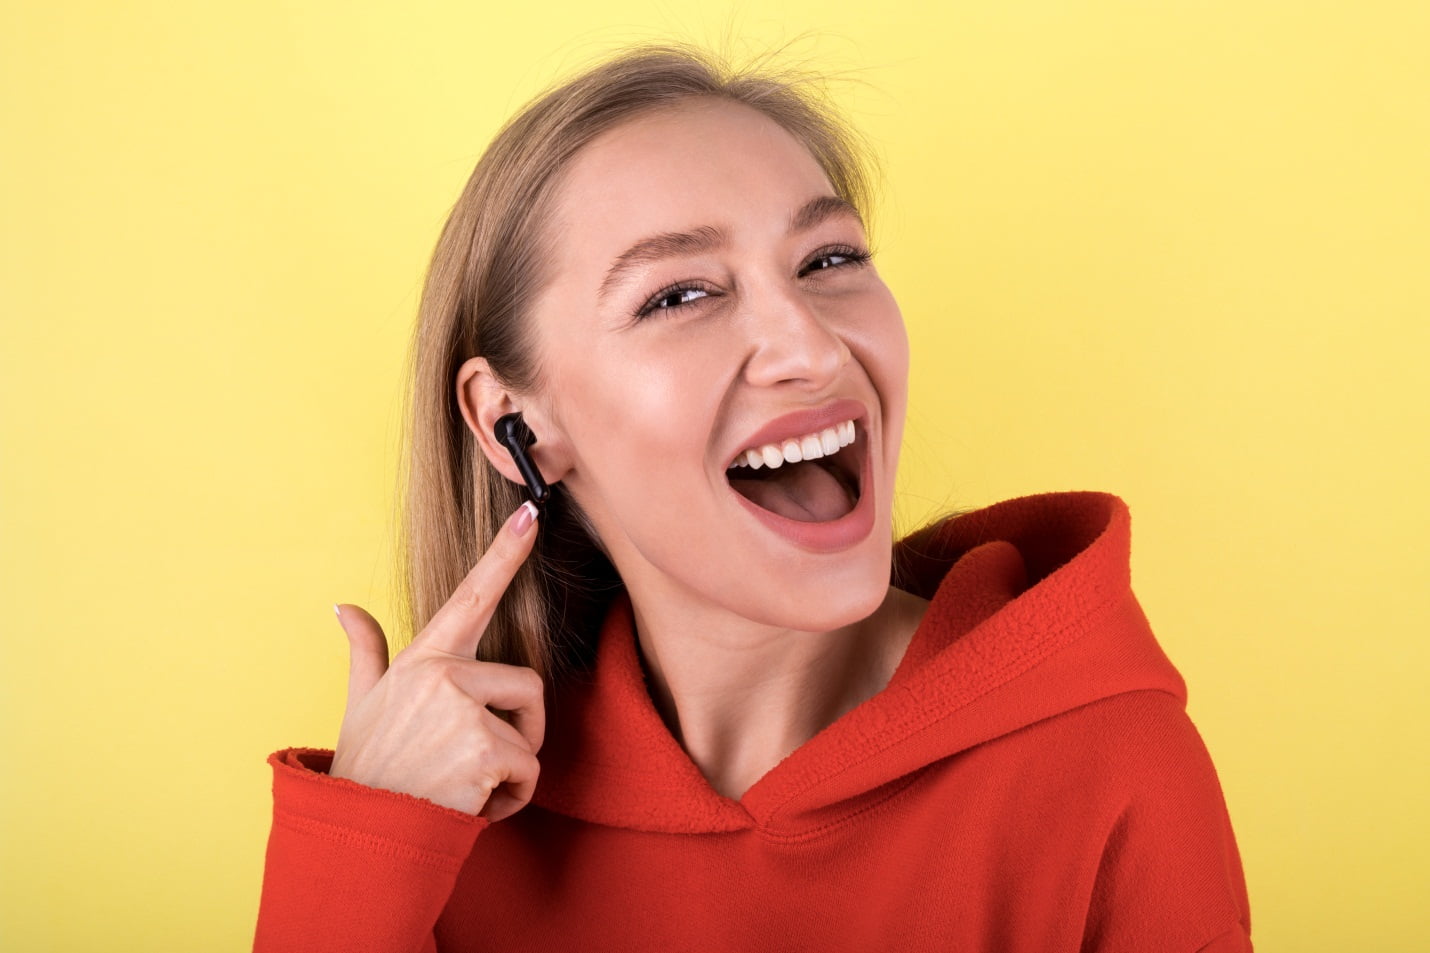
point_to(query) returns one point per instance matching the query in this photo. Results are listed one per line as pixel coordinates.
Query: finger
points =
(457, 627)
(520, 769)
(367, 648)
(512, 688)
(497, 726)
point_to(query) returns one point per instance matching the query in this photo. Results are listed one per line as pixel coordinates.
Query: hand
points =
(422, 725)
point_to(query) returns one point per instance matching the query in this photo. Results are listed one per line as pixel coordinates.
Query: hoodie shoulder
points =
(1170, 855)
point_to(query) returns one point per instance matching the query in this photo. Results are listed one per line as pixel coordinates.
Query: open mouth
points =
(810, 479)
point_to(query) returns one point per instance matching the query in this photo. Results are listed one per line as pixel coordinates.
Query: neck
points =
(740, 696)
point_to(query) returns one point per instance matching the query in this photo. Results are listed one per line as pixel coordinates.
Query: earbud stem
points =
(513, 433)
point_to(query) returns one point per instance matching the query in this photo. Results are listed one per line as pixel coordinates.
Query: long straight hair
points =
(489, 263)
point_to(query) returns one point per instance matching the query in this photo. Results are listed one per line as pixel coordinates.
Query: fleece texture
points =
(1027, 781)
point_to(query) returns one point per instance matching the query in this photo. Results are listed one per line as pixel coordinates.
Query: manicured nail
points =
(525, 516)
(339, 613)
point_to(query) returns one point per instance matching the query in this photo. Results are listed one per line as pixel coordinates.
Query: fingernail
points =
(525, 516)
(339, 613)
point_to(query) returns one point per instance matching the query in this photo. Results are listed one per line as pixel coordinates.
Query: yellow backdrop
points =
(1173, 250)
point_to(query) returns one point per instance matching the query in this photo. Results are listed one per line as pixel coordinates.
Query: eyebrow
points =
(709, 238)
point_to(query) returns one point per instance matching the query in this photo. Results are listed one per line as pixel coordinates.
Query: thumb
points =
(368, 648)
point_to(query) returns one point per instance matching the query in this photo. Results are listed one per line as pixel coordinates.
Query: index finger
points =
(458, 626)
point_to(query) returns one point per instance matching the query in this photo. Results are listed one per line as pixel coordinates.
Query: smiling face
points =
(711, 296)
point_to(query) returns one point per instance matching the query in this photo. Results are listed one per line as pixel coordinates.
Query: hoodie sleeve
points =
(353, 868)
(1170, 877)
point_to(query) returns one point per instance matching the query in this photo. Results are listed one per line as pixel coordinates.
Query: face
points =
(712, 303)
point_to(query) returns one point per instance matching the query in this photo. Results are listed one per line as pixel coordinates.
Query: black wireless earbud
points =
(513, 433)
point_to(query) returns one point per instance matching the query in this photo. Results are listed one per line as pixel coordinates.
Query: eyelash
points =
(854, 256)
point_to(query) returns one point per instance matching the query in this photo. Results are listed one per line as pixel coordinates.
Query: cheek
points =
(638, 421)
(880, 342)
(881, 345)
(896, 387)
(896, 346)
(895, 335)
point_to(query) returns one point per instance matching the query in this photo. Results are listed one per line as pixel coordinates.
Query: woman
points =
(745, 736)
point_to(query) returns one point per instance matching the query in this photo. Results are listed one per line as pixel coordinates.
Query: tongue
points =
(799, 491)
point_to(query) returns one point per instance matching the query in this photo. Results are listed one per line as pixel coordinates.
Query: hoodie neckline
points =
(1009, 586)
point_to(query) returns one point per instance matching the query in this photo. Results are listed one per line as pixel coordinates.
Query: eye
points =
(839, 257)
(669, 299)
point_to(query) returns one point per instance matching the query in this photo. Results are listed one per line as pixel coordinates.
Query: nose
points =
(791, 343)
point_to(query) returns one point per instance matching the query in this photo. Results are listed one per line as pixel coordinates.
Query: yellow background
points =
(1174, 250)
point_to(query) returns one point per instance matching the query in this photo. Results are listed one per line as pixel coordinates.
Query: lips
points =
(845, 465)
(817, 502)
(772, 455)
(798, 425)
(848, 475)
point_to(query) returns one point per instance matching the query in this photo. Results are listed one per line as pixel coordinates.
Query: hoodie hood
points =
(1031, 615)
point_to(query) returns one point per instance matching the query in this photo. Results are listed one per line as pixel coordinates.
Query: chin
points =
(846, 613)
(825, 598)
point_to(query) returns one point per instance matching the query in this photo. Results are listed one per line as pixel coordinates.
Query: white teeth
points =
(809, 447)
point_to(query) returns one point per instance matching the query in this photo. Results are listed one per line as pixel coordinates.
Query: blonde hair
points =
(489, 263)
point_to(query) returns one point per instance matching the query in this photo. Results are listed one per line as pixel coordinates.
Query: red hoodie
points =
(1028, 781)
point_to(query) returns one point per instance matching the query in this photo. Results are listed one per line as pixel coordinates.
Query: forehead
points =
(697, 163)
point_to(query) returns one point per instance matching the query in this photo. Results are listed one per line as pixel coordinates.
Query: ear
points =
(483, 398)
